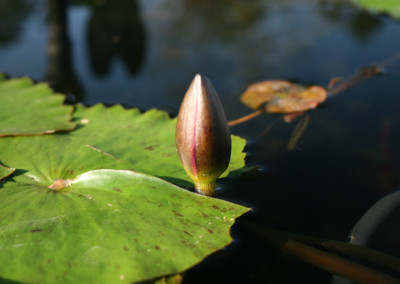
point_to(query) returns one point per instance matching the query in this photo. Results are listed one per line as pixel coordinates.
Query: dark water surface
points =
(145, 54)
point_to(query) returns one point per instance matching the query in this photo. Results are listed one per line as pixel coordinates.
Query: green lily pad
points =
(108, 226)
(5, 172)
(390, 7)
(31, 109)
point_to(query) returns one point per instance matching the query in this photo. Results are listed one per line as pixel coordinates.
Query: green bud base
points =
(207, 189)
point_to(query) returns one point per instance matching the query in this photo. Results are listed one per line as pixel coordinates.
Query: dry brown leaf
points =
(283, 96)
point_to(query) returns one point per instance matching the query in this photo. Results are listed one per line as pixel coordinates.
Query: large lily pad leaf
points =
(282, 96)
(391, 7)
(109, 225)
(30, 109)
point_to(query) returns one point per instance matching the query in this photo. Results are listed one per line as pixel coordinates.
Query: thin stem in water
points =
(246, 117)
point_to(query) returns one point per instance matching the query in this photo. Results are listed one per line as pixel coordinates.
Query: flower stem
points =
(246, 117)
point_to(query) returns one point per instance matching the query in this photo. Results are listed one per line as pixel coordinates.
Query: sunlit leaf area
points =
(284, 167)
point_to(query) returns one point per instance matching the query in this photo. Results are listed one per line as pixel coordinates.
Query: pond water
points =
(145, 53)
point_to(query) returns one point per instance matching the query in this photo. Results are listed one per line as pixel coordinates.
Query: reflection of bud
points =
(202, 135)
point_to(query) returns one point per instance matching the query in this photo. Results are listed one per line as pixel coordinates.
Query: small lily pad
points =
(27, 108)
(278, 96)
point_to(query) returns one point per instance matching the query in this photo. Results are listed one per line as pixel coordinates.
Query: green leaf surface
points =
(5, 172)
(31, 109)
(113, 138)
(391, 7)
(109, 226)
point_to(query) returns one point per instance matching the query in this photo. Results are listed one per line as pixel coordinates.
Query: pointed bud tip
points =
(201, 86)
(201, 80)
(198, 76)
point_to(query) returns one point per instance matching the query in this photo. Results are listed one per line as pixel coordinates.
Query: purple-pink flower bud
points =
(202, 135)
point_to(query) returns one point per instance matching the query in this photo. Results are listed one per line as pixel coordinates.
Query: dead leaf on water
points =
(282, 96)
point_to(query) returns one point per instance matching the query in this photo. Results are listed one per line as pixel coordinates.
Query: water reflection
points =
(361, 24)
(12, 14)
(115, 30)
(60, 72)
(365, 25)
(224, 20)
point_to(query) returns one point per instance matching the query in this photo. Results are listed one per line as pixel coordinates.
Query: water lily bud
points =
(202, 135)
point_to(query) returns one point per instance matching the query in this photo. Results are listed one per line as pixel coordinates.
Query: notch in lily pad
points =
(5, 171)
(202, 136)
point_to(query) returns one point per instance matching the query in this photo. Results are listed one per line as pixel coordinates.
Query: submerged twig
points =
(363, 253)
(344, 248)
(337, 265)
(269, 127)
(306, 249)
(298, 132)
(364, 73)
